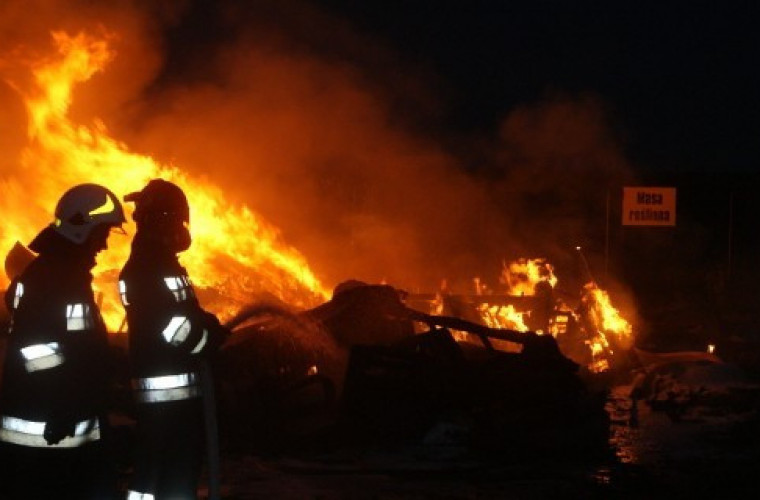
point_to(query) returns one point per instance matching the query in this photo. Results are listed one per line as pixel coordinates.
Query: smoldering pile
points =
(364, 369)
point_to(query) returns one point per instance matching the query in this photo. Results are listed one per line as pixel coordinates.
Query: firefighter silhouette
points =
(57, 372)
(170, 334)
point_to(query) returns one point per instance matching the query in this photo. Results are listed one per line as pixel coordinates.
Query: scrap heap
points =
(364, 368)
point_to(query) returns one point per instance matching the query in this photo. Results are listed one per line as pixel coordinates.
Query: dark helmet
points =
(162, 212)
(160, 199)
(85, 207)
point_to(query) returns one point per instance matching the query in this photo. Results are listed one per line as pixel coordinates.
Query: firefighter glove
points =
(219, 333)
(58, 429)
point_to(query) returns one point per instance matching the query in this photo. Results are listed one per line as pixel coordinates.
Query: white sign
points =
(649, 206)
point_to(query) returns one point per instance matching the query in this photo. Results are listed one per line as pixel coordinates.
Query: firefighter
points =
(170, 335)
(56, 373)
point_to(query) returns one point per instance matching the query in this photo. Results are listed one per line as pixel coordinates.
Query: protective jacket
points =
(56, 365)
(169, 332)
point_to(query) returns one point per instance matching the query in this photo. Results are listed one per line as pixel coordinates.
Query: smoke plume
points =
(321, 129)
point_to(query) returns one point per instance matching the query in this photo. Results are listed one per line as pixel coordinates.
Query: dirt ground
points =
(399, 476)
(715, 455)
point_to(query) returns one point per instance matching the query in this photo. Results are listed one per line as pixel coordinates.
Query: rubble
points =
(364, 369)
(694, 386)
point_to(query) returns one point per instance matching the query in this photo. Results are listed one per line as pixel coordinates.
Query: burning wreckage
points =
(471, 376)
(365, 368)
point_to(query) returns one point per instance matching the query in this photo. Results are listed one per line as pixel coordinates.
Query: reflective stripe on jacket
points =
(166, 388)
(136, 495)
(29, 433)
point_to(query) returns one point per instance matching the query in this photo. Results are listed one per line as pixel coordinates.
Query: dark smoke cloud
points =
(558, 160)
(561, 166)
(332, 137)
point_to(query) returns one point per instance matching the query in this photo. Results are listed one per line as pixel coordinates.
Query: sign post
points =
(649, 206)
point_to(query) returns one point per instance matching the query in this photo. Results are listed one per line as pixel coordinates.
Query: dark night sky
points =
(680, 78)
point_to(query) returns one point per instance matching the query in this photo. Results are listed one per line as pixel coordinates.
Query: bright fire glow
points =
(606, 318)
(234, 251)
(522, 276)
(612, 331)
(498, 316)
(605, 329)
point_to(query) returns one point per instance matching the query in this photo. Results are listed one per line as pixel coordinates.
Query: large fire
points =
(604, 328)
(234, 250)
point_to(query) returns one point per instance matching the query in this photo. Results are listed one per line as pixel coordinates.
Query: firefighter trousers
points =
(169, 449)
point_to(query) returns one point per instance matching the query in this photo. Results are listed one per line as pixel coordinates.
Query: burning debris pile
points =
(587, 327)
(365, 368)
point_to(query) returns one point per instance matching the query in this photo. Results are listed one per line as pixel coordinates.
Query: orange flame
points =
(606, 329)
(234, 250)
(522, 276)
(498, 316)
(612, 331)
(606, 319)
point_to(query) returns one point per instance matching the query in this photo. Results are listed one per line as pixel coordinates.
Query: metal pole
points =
(607, 238)
(730, 232)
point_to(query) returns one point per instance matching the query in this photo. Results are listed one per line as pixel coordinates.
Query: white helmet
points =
(84, 207)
